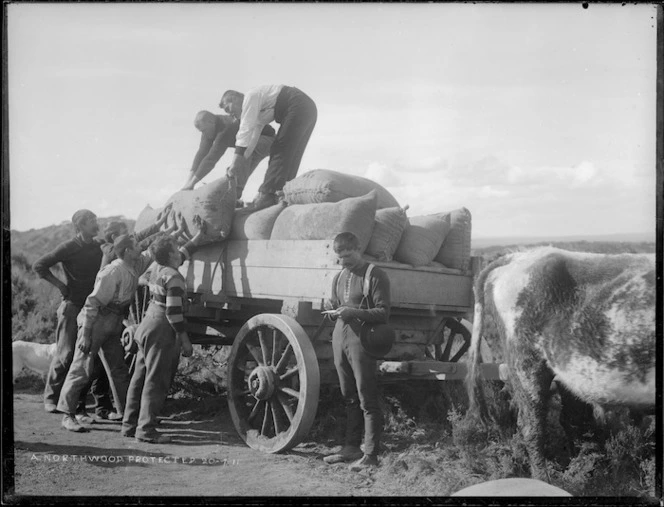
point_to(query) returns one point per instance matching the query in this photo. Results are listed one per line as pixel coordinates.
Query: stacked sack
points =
(320, 204)
(323, 203)
(214, 203)
(323, 185)
(438, 239)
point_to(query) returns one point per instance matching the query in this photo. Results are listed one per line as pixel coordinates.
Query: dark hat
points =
(377, 339)
(121, 243)
(81, 216)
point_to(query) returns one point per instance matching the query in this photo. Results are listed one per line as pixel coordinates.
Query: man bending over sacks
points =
(218, 133)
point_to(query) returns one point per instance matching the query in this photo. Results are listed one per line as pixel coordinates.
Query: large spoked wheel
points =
(273, 383)
(454, 341)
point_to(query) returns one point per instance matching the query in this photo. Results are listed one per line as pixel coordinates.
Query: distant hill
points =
(523, 240)
(36, 242)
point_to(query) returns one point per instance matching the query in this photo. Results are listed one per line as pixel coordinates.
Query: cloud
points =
(95, 72)
(584, 174)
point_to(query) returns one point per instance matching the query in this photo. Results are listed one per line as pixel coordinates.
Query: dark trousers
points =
(297, 114)
(66, 333)
(359, 388)
(156, 362)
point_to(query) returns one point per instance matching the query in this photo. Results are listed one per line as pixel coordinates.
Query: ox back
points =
(587, 319)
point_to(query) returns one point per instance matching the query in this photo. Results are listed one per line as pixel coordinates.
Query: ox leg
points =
(576, 416)
(532, 391)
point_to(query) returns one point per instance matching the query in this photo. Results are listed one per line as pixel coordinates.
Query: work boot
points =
(51, 408)
(261, 202)
(156, 438)
(70, 423)
(84, 418)
(347, 454)
(109, 415)
(368, 461)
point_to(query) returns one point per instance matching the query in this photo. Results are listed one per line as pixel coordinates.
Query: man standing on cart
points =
(355, 366)
(296, 114)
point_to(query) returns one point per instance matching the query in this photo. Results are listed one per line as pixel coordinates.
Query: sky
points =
(538, 118)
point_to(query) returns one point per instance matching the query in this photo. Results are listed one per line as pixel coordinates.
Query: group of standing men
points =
(101, 277)
(95, 302)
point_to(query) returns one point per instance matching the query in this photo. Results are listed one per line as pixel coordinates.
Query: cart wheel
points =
(455, 341)
(137, 309)
(273, 383)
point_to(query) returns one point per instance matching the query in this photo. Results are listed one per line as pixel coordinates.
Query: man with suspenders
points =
(360, 294)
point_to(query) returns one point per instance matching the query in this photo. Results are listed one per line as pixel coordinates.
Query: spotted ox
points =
(587, 319)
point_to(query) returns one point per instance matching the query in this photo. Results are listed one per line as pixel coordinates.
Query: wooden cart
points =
(264, 298)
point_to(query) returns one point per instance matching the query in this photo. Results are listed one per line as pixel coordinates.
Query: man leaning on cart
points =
(355, 366)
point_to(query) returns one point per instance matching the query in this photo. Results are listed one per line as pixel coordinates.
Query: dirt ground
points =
(205, 458)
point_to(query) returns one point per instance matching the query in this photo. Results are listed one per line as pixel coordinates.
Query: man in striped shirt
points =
(296, 114)
(100, 325)
(160, 336)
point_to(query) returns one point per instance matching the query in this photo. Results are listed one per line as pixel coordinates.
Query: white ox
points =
(33, 357)
(587, 319)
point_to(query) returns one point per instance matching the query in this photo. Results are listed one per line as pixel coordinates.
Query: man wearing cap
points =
(218, 132)
(100, 325)
(79, 258)
(115, 229)
(296, 114)
(355, 367)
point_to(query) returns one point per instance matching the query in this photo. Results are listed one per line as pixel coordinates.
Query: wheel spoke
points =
(285, 357)
(445, 354)
(275, 419)
(261, 340)
(265, 420)
(254, 411)
(146, 301)
(290, 392)
(289, 373)
(132, 312)
(287, 408)
(255, 352)
(274, 346)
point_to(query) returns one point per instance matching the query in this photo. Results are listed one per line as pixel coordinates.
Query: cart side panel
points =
(304, 270)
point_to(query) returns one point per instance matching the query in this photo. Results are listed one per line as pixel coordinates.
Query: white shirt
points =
(257, 111)
(115, 284)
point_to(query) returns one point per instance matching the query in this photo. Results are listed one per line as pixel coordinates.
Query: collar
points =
(359, 270)
(128, 267)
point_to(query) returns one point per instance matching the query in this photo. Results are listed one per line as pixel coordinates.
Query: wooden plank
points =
(304, 270)
(439, 370)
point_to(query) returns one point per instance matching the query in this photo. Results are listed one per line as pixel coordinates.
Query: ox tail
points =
(477, 401)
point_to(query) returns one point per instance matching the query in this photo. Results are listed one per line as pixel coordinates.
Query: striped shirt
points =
(167, 288)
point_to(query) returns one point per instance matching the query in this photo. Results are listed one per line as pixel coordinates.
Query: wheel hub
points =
(262, 383)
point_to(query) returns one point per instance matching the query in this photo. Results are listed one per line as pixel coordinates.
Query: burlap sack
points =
(389, 225)
(455, 250)
(323, 185)
(256, 225)
(421, 240)
(214, 202)
(326, 220)
(146, 218)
